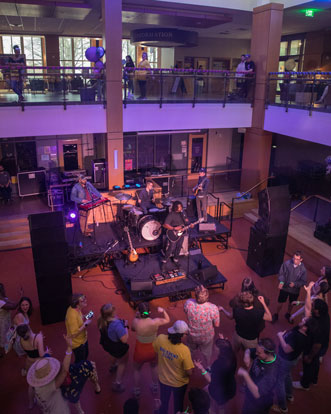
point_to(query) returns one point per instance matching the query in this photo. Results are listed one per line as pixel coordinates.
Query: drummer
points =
(147, 197)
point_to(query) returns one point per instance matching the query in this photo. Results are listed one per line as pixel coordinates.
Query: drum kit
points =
(148, 226)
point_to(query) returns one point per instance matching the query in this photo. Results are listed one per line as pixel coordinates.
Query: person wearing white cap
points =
(55, 384)
(175, 366)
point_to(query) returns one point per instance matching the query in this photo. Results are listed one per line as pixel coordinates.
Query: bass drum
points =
(149, 228)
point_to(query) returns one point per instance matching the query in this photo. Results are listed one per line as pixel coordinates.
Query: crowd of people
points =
(186, 347)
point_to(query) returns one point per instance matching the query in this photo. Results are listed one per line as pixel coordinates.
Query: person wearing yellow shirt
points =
(175, 366)
(141, 75)
(76, 325)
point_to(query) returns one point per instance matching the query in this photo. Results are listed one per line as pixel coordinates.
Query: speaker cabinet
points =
(265, 253)
(206, 274)
(191, 209)
(141, 285)
(50, 256)
(274, 210)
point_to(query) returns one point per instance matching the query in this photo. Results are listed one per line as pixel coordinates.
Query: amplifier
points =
(31, 183)
(210, 227)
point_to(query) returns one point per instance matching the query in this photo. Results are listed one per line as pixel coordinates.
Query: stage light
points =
(72, 216)
(116, 187)
(138, 185)
(127, 186)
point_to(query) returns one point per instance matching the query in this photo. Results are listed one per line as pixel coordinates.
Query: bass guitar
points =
(175, 235)
(132, 255)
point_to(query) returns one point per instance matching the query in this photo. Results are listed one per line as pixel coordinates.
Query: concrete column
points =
(265, 44)
(112, 19)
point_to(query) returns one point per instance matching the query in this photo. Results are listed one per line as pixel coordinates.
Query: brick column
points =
(112, 18)
(266, 35)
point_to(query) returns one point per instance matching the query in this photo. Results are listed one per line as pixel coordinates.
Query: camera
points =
(89, 315)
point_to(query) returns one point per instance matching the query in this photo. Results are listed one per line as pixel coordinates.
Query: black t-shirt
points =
(248, 322)
(223, 383)
(146, 196)
(250, 66)
(264, 375)
(175, 219)
(297, 341)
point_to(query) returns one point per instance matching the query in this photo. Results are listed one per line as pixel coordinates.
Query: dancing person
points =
(16, 63)
(175, 221)
(292, 276)
(33, 346)
(56, 384)
(113, 338)
(319, 290)
(128, 75)
(76, 325)
(221, 376)
(175, 366)
(292, 344)
(201, 190)
(203, 317)
(5, 188)
(146, 329)
(84, 192)
(319, 344)
(6, 305)
(146, 197)
(248, 320)
(142, 75)
(22, 317)
(260, 377)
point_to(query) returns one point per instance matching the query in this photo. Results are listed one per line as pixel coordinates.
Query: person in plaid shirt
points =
(203, 317)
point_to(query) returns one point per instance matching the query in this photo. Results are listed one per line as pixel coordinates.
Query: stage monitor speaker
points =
(141, 285)
(206, 274)
(274, 210)
(265, 253)
(50, 255)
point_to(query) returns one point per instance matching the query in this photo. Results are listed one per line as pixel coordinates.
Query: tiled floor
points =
(100, 287)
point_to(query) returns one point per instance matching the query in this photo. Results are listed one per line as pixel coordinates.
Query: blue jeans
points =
(165, 394)
(17, 86)
(284, 382)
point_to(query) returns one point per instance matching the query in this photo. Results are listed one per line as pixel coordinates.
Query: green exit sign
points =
(309, 13)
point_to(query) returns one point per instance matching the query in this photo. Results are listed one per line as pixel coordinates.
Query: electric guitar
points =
(175, 235)
(199, 187)
(133, 255)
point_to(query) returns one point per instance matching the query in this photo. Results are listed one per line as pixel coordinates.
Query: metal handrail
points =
(217, 205)
(242, 195)
(309, 198)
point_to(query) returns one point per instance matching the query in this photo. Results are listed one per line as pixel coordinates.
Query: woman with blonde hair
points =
(113, 338)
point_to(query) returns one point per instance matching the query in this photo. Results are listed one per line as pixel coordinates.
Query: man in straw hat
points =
(55, 384)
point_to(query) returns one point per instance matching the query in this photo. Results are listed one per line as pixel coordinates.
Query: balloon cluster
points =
(94, 54)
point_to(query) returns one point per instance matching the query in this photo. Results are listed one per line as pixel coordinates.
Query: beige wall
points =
(214, 48)
(219, 146)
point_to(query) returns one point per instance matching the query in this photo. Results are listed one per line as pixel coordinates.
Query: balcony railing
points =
(304, 90)
(45, 85)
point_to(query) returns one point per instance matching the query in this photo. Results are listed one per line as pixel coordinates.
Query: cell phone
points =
(89, 315)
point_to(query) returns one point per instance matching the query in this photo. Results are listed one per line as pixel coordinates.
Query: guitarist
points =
(175, 221)
(201, 192)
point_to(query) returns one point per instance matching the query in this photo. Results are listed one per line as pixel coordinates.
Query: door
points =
(197, 152)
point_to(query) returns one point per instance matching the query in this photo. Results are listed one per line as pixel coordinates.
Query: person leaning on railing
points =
(16, 63)
(141, 75)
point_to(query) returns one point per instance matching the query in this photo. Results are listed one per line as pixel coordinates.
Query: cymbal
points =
(123, 196)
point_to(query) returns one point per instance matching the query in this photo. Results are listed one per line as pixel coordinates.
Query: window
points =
(128, 49)
(145, 151)
(31, 47)
(130, 153)
(152, 53)
(295, 47)
(72, 52)
(283, 48)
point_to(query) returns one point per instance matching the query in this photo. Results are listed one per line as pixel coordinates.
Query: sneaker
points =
(277, 409)
(274, 318)
(290, 398)
(297, 385)
(117, 387)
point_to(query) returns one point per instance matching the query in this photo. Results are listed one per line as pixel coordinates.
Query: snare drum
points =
(135, 215)
(149, 228)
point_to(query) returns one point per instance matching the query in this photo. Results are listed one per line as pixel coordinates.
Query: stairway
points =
(14, 233)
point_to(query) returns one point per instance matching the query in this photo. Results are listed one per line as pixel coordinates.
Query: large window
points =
(72, 52)
(31, 46)
(128, 49)
(153, 56)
